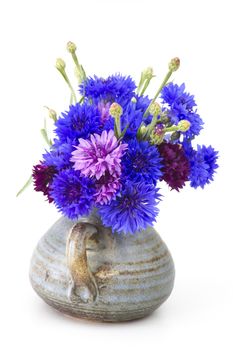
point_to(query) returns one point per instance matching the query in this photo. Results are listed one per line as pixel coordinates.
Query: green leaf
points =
(29, 181)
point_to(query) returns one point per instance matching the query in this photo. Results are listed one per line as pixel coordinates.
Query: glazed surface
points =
(134, 273)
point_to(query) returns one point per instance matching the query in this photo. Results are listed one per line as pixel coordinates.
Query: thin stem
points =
(172, 128)
(79, 66)
(124, 131)
(140, 84)
(63, 73)
(146, 84)
(165, 80)
(153, 123)
(29, 181)
(118, 126)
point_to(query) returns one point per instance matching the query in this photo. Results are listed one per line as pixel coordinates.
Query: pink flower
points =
(106, 189)
(101, 154)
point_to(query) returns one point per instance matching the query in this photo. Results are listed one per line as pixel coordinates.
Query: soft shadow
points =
(46, 310)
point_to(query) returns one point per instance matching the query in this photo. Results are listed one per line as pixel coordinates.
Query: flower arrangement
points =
(114, 146)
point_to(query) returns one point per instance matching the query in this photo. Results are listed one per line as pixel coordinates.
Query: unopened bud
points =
(142, 131)
(133, 99)
(60, 64)
(71, 47)
(52, 114)
(184, 125)
(174, 64)
(175, 136)
(147, 73)
(115, 110)
(154, 108)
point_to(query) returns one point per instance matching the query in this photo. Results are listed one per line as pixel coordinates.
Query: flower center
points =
(73, 193)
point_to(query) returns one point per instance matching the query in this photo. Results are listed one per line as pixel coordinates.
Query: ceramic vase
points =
(84, 270)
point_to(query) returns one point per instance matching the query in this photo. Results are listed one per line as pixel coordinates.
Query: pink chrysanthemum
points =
(106, 188)
(99, 155)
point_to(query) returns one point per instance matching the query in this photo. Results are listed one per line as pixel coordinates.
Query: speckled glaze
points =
(83, 270)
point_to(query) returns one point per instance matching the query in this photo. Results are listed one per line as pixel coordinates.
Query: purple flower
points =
(43, 176)
(106, 188)
(176, 167)
(101, 154)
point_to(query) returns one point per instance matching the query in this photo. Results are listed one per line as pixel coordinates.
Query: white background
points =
(113, 36)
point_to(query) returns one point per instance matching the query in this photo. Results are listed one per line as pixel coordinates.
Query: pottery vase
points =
(84, 270)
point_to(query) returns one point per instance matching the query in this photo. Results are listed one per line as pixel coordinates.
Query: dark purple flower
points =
(176, 167)
(43, 176)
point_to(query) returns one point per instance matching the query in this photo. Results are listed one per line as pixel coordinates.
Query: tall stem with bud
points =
(172, 67)
(60, 65)
(116, 111)
(80, 72)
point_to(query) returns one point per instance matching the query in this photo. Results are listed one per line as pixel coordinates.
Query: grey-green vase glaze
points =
(83, 270)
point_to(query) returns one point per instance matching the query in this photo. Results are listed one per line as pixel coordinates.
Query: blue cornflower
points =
(133, 209)
(79, 121)
(175, 94)
(203, 164)
(142, 162)
(181, 106)
(116, 88)
(72, 194)
(59, 155)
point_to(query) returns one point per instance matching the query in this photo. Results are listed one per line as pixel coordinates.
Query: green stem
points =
(79, 66)
(171, 128)
(29, 181)
(165, 80)
(140, 84)
(124, 131)
(146, 84)
(118, 126)
(153, 123)
(63, 73)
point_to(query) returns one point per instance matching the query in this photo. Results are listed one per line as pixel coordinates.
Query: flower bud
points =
(174, 64)
(60, 64)
(71, 47)
(142, 131)
(147, 73)
(133, 99)
(115, 110)
(154, 108)
(157, 135)
(52, 114)
(175, 136)
(184, 125)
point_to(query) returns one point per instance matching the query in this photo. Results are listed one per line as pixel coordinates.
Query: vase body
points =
(104, 277)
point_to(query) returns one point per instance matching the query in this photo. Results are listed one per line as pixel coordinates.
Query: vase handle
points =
(82, 282)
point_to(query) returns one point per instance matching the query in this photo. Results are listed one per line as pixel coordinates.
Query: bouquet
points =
(114, 146)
